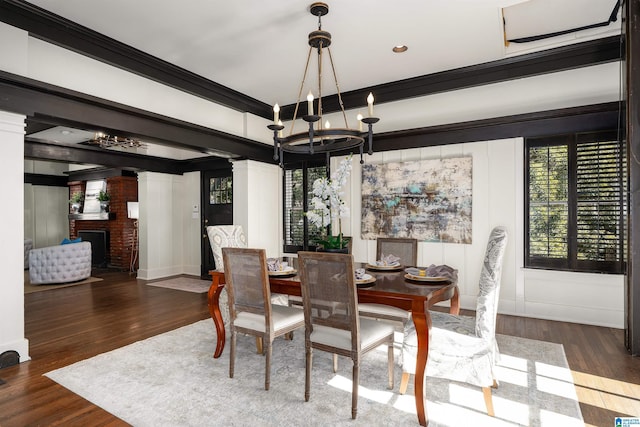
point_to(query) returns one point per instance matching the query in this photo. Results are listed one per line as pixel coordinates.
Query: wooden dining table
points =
(390, 288)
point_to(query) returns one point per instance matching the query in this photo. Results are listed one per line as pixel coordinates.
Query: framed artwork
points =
(429, 200)
(91, 202)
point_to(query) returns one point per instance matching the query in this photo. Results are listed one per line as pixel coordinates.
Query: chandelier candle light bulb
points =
(276, 114)
(280, 131)
(359, 118)
(370, 104)
(310, 104)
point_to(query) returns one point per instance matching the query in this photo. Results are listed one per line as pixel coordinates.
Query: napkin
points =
(273, 264)
(389, 260)
(435, 271)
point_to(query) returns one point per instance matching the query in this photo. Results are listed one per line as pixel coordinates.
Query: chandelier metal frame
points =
(320, 138)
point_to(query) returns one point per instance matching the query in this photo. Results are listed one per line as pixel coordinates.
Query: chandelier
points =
(321, 137)
(108, 141)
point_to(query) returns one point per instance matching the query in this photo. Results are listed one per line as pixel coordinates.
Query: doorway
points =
(217, 209)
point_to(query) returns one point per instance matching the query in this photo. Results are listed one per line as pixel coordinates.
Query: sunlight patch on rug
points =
(172, 379)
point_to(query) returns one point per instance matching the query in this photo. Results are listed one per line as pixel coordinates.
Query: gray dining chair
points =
(407, 250)
(329, 278)
(250, 308)
(464, 348)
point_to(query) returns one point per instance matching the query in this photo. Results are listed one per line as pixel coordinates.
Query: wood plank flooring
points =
(71, 324)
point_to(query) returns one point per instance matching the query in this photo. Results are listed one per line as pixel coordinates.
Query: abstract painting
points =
(429, 200)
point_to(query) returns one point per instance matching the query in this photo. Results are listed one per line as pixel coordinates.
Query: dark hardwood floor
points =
(71, 324)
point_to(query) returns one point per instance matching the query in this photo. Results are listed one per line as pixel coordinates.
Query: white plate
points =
(425, 278)
(286, 272)
(367, 278)
(385, 267)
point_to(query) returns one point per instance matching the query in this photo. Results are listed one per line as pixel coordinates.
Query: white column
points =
(12, 335)
(257, 204)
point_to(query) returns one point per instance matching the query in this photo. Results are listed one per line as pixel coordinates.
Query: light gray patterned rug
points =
(189, 284)
(172, 380)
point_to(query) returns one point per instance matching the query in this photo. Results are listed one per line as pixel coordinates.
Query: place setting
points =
(277, 268)
(432, 274)
(363, 279)
(386, 263)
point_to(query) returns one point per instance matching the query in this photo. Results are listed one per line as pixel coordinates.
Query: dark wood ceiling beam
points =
(563, 58)
(577, 119)
(51, 104)
(62, 32)
(42, 150)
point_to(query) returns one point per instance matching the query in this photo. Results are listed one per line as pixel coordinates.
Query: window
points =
(221, 190)
(575, 202)
(298, 182)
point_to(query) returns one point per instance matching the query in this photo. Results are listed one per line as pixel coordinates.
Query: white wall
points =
(161, 233)
(12, 335)
(46, 208)
(498, 188)
(257, 204)
(192, 228)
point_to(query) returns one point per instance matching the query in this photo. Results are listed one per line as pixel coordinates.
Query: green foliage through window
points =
(298, 183)
(576, 205)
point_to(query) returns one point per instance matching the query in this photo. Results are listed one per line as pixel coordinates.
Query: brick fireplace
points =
(119, 228)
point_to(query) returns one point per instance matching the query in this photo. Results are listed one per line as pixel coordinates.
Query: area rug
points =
(173, 380)
(189, 284)
(29, 288)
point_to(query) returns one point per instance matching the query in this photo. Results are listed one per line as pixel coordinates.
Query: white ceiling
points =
(259, 48)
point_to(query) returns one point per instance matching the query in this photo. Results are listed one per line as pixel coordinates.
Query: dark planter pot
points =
(335, 251)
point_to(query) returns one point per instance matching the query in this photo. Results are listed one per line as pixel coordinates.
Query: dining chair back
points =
(405, 249)
(224, 236)
(328, 279)
(250, 308)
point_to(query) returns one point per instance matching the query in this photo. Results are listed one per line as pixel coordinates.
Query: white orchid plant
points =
(327, 205)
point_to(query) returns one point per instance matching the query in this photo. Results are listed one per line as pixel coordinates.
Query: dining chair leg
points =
(232, 354)
(495, 384)
(488, 400)
(354, 393)
(335, 363)
(267, 368)
(259, 346)
(391, 367)
(404, 382)
(307, 374)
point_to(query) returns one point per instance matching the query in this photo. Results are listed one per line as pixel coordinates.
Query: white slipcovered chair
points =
(463, 348)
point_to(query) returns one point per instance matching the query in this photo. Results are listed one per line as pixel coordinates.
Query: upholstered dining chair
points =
(329, 278)
(232, 236)
(250, 308)
(407, 250)
(464, 348)
(225, 236)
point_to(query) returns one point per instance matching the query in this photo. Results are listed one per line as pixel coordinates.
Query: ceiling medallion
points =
(321, 136)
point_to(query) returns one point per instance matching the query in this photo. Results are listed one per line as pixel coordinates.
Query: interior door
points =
(217, 209)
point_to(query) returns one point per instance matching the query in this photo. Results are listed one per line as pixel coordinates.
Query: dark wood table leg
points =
(213, 298)
(422, 322)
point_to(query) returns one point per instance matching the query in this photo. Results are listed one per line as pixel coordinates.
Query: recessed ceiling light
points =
(66, 132)
(400, 48)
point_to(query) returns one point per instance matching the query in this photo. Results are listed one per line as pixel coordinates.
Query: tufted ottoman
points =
(28, 245)
(60, 264)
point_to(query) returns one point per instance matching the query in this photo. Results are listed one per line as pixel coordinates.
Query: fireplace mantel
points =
(100, 216)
